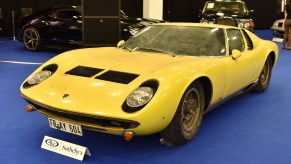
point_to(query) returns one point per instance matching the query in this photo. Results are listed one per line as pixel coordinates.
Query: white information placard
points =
(277, 40)
(65, 148)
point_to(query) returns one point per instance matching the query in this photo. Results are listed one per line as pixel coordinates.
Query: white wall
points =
(153, 9)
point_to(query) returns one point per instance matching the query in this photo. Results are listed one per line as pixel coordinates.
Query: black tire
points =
(188, 116)
(32, 39)
(264, 78)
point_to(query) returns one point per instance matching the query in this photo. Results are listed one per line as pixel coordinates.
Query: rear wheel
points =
(264, 78)
(188, 116)
(32, 39)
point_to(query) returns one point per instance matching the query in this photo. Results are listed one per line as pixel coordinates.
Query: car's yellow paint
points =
(100, 98)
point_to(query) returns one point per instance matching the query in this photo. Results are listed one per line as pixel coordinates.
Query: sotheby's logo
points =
(51, 142)
(64, 148)
(71, 149)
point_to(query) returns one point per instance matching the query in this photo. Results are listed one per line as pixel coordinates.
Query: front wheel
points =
(264, 78)
(188, 116)
(32, 39)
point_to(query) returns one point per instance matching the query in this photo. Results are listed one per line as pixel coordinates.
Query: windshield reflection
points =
(179, 40)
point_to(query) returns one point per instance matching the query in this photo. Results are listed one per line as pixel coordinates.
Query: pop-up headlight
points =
(140, 97)
(39, 77)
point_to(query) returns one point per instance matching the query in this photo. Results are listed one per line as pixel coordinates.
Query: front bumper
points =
(100, 124)
(277, 30)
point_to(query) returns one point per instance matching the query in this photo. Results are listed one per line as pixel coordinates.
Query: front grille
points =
(118, 77)
(97, 121)
(229, 22)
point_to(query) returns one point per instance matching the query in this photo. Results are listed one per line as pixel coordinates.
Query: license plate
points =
(65, 126)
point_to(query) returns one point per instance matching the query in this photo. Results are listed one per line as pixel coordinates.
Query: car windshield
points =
(179, 40)
(225, 6)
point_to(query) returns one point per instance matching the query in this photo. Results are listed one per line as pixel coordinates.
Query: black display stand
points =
(101, 22)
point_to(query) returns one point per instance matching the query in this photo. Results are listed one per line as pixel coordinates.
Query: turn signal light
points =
(128, 136)
(28, 108)
(252, 24)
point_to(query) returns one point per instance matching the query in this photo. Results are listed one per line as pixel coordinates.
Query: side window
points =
(235, 40)
(52, 14)
(64, 14)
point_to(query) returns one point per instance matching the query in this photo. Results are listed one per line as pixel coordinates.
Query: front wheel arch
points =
(188, 116)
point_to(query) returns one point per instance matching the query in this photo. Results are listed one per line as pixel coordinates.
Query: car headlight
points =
(140, 97)
(247, 25)
(42, 75)
(205, 21)
(39, 77)
(241, 25)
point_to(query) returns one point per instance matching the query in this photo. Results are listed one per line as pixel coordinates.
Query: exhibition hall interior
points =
(145, 81)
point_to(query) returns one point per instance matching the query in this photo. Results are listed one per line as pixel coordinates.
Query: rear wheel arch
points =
(265, 75)
(273, 58)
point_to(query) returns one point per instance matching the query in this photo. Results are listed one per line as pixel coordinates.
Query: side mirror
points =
(120, 43)
(236, 54)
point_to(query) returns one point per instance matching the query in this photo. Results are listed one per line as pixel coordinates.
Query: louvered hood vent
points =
(113, 76)
(84, 71)
(118, 77)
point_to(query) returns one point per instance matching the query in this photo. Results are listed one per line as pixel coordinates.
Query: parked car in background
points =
(234, 13)
(161, 80)
(63, 26)
(278, 27)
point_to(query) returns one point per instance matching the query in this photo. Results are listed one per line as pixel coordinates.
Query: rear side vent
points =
(118, 77)
(250, 44)
(84, 71)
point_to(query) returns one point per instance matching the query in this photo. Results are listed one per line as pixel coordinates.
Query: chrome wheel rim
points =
(191, 110)
(31, 39)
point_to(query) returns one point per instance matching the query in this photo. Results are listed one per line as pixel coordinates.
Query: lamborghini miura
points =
(161, 80)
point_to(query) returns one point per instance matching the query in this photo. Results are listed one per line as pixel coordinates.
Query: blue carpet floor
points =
(249, 129)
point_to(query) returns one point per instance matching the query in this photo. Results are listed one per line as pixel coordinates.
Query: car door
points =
(66, 25)
(242, 70)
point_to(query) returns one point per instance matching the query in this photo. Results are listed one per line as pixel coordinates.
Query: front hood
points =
(115, 73)
(136, 62)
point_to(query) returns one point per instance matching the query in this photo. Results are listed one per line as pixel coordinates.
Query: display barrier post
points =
(13, 25)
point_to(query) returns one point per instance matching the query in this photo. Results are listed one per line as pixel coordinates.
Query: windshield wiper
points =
(154, 50)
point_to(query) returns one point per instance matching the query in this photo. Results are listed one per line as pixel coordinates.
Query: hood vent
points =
(84, 71)
(118, 77)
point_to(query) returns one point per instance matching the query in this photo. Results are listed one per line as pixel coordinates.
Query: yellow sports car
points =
(162, 80)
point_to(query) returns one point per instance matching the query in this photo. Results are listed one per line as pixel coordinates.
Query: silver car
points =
(278, 27)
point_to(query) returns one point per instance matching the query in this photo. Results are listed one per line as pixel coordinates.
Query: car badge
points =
(65, 95)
